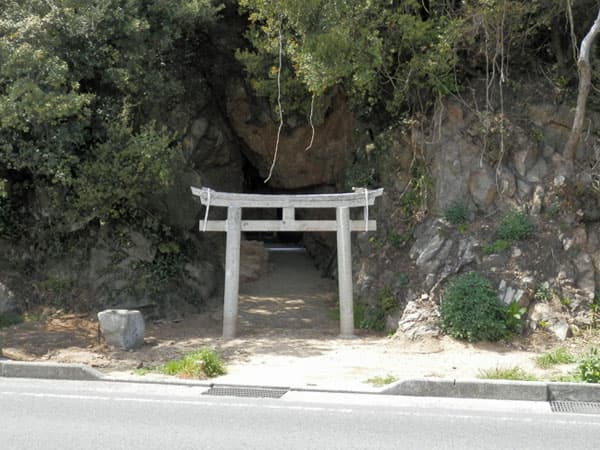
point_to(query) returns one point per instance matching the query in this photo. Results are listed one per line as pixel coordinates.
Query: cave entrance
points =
(234, 225)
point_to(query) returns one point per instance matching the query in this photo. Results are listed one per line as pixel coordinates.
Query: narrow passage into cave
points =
(297, 295)
(292, 299)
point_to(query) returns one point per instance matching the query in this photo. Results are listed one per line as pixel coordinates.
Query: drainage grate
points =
(576, 407)
(246, 392)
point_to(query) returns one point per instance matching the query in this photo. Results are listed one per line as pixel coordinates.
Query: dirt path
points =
(287, 335)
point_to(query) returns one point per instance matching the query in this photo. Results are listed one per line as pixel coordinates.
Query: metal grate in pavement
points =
(576, 407)
(246, 392)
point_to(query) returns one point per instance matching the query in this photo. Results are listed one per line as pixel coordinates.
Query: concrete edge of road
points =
(48, 370)
(424, 387)
(496, 389)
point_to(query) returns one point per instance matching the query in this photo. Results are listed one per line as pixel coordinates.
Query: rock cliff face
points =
(553, 273)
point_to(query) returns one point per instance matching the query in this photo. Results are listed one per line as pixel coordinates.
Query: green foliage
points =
(383, 54)
(555, 357)
(202, 363)
(506, 373)
(9, 319)
(413, 202)
(497, 246)
(515, 315)
(380, 381)
(402, 279)
(371, 317)
(543, 293)
(470, 310)
(457, 213)
(82, 85)
(589, 367)
(514, 226)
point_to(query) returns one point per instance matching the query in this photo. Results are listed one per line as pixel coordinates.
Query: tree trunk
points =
(585, 83)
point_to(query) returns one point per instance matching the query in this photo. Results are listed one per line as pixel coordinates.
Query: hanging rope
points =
(206, 212)
(278, 103)
(310, 121)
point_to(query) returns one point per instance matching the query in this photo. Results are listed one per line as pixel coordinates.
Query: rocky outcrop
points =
(323, 164)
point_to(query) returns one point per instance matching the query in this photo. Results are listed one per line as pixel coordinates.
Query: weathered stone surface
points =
(508, 294)
(201, 278)
(426, 247)
(122, 328)
(419, 319)
(139, 248)
(324, 163)
(254, 260)
(549, 315)
(537, 201)
(8, 303)
(507, 184)
(560, 329)
(524, 189)
(482, 187)
(537, 172)
(585, 274)
(524, 160)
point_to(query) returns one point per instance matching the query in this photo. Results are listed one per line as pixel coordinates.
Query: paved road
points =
(44, 414)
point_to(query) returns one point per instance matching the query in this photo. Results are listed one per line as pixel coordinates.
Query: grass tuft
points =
(382, 381)
(202, 363)
(506, 373)
(555, 357)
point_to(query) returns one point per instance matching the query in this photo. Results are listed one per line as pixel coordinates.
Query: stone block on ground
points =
(254, 260)
(122, 328)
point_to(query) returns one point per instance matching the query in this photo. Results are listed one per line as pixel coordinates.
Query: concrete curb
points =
(53, 371)
(496, 390)
(425, 387)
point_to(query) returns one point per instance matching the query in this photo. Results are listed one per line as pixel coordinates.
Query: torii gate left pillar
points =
(234, 225)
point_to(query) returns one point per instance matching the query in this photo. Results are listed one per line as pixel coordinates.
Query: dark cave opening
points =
(320, 246)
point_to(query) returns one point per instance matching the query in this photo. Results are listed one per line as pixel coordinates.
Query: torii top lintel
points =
(360, 197)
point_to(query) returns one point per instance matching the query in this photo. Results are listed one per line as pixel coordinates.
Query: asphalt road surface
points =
(46, 414)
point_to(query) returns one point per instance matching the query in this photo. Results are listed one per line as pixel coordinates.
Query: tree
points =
(585, 84)
(84, 85)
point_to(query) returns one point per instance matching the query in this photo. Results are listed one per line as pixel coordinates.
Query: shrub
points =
(197, 364)
(514, 226)
(471, 310)
(498, 246)
(456, 213)
(589, 367)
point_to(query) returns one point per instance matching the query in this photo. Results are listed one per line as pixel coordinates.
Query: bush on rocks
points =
(471, 310)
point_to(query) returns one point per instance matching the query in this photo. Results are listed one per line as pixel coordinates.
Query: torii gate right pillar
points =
(344, 257)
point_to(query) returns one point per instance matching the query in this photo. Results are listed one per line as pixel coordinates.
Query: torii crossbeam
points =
(234, 225)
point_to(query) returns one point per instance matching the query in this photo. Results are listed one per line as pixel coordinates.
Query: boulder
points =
(482, 187)
(419, 319)
(122, 328)
(254, 260)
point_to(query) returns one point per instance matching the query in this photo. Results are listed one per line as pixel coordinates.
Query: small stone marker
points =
(122, 328)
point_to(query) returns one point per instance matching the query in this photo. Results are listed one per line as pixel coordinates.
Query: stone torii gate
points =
(234, 225)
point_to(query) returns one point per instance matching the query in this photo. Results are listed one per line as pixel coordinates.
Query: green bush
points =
(514, 226)
(589, 367)
(456, 213)
(498, 246)
(471, 310)
(197, 364)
